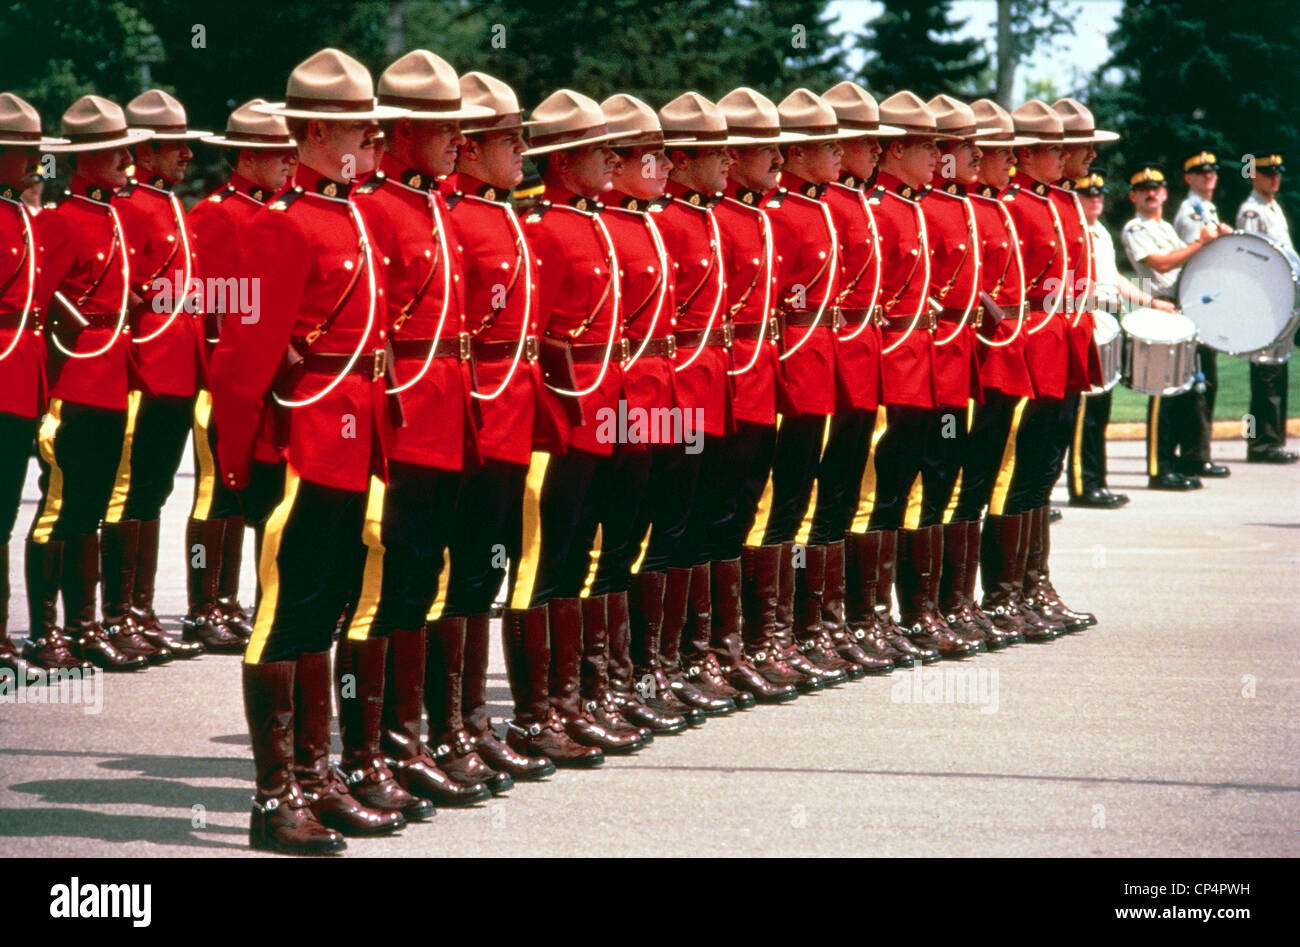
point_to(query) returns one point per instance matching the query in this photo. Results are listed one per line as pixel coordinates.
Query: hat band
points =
(85, 138)
(308, 104)
(180, 129)
(691, 134)
(258, 138)
(419, 103)
(912, 128)
(577, 136)
(754, 131)
(962, 131)
(508, 120)
(859, 124)
(812, 130)
(1045, 136)
(996, 134)
(20, 136)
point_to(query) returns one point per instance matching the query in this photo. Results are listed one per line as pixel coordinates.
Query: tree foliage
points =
(913, 45)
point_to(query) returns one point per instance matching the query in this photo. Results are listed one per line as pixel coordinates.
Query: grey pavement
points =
(1171, 729)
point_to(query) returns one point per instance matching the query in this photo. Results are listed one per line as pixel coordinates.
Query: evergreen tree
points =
(914, 46)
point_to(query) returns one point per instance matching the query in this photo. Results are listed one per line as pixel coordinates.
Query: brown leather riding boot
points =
(809, 632)
(359, 671)
(537, 729)
(676, 609)
(80, 581)
(444, 677)
(886, 579)
(118, 551)
(834, 621)
(760, 599)
(492, 750)
(861, 553)
(237, 620)
(622, 674)
(565, 617)
(646, 613)
(281, 821)
(146, 572)
(204, 624)
(728, 643)
(997, 637)
(701, 664)
(47, 647)
(1038, 590)
(918, 585)
(408, 756)
(322, 784)
(597, 692)
(783, 628)
(960, 620)
(999, 548)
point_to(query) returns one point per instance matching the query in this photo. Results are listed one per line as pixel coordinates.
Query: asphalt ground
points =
(1170, 729)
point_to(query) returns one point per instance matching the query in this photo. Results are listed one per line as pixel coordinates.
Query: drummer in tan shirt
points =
(1158, 254)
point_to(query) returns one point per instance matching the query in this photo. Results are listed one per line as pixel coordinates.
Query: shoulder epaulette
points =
(776, 199)
(128, 188)
(536, 213)
(1011, 192)
(372, 184)
(284, 200)
(453, 199)
(222, 194)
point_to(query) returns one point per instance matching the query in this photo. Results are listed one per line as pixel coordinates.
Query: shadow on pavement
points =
(137, 792)
(83, 823)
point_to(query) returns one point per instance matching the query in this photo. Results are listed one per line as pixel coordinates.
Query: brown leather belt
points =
(694, 338)
(665, 347)
(767, 329)
(371, 364)
(505, 350)
(954, 315)
(10, 320)
(855, 317)
(94, 320)
(926, 321)
(455, 347)
(802, 318)
(587, 353)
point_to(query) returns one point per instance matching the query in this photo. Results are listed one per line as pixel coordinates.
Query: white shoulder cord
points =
(120, 236)
(662, 254)
(369, 264)
(441, 231)
(182, 293)
(925, 257)
(614, 316)
(1065, 268)
(1020, 278)
(769, 254)
(831, 271)
(30, 245)
(722, 292)
(973, 230)
(875, 254)
(1089, 293)
(527, 264)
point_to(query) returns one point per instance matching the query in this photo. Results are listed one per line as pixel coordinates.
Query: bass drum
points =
(1159, 352)
(1242, 290)
(1110, 346)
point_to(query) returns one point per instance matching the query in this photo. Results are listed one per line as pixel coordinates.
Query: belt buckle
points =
(728, 334)
(624, 350)
(837, 318)
(381, 364)
(932, 320)
(671, 345)
(466, 346)
(979, 316)
(773, 328)
(530, 348)
(878, 315)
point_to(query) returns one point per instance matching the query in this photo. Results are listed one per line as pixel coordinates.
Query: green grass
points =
(1234, 392)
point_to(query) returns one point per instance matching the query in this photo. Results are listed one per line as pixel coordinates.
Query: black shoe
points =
(1272, 455)
(1172, 481)
(1207, 468)
(1121, 497)
(1099, 499)
(1054, 515)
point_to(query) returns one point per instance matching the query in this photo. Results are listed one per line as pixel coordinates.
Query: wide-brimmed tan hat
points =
(691, 120)
(249, 128)
(996, 129)
(855, 107)
(93, 123)
(566, 119)
(752, 119)
(426, 86)
(1079, 124)
(808, 115)
(953, 118)
(160, 114)
(1037, 121)
(331, 85)
(478, 88)
(627, 115)
(20, 124)
(907, 112)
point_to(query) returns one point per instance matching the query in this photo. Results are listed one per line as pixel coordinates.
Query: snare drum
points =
(1243, 292)
(1159, 351)
(1110, 346)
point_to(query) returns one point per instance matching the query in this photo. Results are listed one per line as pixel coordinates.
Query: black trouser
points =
(567, 506)
(839, 475)
(487, 536)
(1088, 447)
(316, 556)
(1040, 452)
(672, 504)
(157, 437)
(16, 437)
(1172, 426)
(729, 505)
(620, 488)
(80, 447)
(986, 443)
(1268, 385)
(1207, 360)
(914, 444)
(799, 442)
(213, 500)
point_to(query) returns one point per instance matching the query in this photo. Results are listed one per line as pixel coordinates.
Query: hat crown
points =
(951, 115)
(330, 75)
(1075, 116)
(478, 88)
(803, 109)
(1037, 118)
(93, 115)
(246, 120)
(421, 76)
(155, 109)
(746, 108)
(566, 110)
(692, 113)
(991, 117)
(18, 115)
(627, 115)
(851, 101)
(906, 110)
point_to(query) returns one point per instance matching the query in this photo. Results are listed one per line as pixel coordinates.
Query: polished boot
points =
(409, 757)
(676, 608)
(727, 638)
(322, 784)
(814, 641)
(965, 592)
(359, 671)
(760, 593)
(646, 614)
(565, 617)
(494, 751)
(622, 675)
(956, 612)
(1038, 590)
(204, 624)
(146, 572)
(917, 582)
(118, 551)
(80, 580)
(834, 622)
(281, 821)
(444, 695)
(537, 729)
(786, 619)
(10, 659)
(861, 620)
(890, 630)
(597, 694)
(47, 647)
(1000, 552)
(698, 658)
(232, 554)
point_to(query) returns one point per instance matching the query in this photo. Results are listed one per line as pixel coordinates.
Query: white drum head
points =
(1240, 290)
(1105, 328)
(1153, 325)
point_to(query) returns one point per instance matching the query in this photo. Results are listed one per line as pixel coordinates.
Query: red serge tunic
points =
(217, 223)
(693, 240)
(1002, 349)
(304, 248)
(649, 302)
(807, 283)
(33, 256)
(907, 359)
(579, 302)
(954, 285)
(166, 331)
(1085, 361)
(751, 273)
(501, 313)
(857, 356)
(423, 301)
(96, 283)
(1041, 240)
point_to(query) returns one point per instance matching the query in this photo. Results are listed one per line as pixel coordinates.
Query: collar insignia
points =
(414, 179)
(159, 182)
(258, 194)
(987, 190)
(1040, 188)
(906, 191)
(327, 187)
(7, 193)
(950, 187)
(849, 180)
(487, 192)
(630, 203)
(580, 203)
(694, 199)
(97, 194)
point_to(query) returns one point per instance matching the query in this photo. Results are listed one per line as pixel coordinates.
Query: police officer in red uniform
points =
(316, 354)
(82, 432)
(262, 157)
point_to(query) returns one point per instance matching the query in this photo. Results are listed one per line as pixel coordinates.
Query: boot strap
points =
(532, 730)
(293, 798)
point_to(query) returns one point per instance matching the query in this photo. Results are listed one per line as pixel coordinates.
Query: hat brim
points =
(841, 135)
(784, 138)
(1014, 142)
(464, 112)
(880, 131)
(132, 136)
(905, 133)
(1030, 140)
(579, 143)
(222, 142)
(378, 113)
(1096, 137)
(177, 136)
(42, 142)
